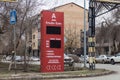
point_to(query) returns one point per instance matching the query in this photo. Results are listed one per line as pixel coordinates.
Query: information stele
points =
(52, 41)
(110, 1)
(8, 0)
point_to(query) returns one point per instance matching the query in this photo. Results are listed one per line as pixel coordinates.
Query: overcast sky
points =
(52, 3)
(48, 4)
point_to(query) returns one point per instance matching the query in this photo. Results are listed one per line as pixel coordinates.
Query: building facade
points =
(73, 24)
(36, 35)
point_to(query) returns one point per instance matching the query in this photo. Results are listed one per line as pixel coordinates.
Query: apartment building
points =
(73, 23)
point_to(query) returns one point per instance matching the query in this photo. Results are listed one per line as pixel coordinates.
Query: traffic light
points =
(92, 21)
(93, 27)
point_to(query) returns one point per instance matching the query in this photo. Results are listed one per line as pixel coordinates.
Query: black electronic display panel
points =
(55, 43)
(53, 30)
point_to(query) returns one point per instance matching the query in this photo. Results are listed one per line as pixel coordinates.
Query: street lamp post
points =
(84, 33)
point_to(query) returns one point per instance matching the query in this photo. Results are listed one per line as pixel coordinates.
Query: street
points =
(115, 76)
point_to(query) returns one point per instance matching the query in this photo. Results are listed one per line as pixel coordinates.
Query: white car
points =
(102, 59)
(8, 58)
(86, 58)
(68, 60)
(115, 59)
(27, 58)
(34, 59)
(18, 58)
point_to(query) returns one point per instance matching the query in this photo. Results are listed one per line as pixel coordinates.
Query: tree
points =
(72, 38)
(101, 36)
(25, 9)
(109, 32)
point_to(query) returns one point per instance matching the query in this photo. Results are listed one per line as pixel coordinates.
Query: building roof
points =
(68, 4)
(65, 5)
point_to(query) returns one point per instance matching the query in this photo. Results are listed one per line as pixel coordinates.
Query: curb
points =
(78, 76)
(38, 76)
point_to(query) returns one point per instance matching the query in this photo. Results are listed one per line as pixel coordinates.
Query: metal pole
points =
(14, 48)
(84, 33)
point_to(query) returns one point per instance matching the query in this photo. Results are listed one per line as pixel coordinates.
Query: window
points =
(118, 54)
(55, 43)
(34, 44)
(33, 36)
(53, 30)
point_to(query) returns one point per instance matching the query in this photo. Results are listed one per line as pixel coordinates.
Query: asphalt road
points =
(115, 76)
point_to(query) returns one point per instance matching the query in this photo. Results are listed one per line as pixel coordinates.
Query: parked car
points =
(7, 58)
(34, 59)
(115, 59)
(102, 59)
(18, 58)
(27, 58)
(75, 58)
(86, 58)
(68, 60)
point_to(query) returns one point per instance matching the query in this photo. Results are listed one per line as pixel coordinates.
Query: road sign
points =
(111, 1)
(9, 0)
(13, 17)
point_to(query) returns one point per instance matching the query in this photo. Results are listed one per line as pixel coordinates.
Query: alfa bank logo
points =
(53, 17)
(53, 20)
